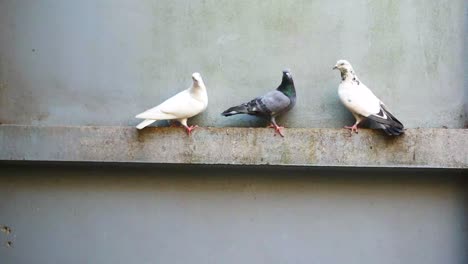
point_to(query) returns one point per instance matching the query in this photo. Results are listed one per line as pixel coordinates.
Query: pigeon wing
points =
(385, 117)
(360, 100)
(181, 105)
(273, 103)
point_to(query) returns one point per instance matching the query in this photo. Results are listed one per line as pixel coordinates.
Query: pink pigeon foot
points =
(190, 128)
(352, 128)
(277, 129)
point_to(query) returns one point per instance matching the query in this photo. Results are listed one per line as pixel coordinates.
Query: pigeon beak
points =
(335, 67)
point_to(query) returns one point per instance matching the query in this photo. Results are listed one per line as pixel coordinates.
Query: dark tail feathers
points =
(392, 130)
(396, 127)
(391, 125)
(235, 110)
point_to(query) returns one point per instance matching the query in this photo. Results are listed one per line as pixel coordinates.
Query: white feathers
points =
(145, 123)
(358, 98)
(363, 103)
(181, 106)
(354, 94)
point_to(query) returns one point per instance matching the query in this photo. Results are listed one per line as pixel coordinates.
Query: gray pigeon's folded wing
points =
(275, 101)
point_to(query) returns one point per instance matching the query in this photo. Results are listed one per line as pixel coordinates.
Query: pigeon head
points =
(197, 80)
(287, 84)
(287, 74)
(343, 66)
(287, 78)
(196, 77)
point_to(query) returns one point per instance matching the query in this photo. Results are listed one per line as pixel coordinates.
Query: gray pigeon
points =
(271, 104)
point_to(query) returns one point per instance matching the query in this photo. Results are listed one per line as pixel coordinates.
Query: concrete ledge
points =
(421, 148)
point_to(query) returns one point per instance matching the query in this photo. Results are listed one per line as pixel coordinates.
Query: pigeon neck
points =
(198, 92)
(348, 75)
(287, 87)
(198, 85)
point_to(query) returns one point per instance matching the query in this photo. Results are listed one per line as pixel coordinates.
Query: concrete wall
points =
(89, 62)
(196, 215)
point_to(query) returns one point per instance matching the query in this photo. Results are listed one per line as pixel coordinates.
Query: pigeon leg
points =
(188, 128)
(354, 127)
(276, 127)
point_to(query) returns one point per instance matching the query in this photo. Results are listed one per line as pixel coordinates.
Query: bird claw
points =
(277, 129)
(190, 128)
(352, 128)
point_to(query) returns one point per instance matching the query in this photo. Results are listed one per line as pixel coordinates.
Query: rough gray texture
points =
(432, 148)
(97, 63)
(101, 62)
(193, 216)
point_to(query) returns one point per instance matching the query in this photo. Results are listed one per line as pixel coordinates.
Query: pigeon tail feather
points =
(388, 122)
(235, 110)
(392, 130)
(145, 123)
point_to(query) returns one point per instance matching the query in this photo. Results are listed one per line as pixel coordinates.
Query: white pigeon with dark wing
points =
(180, 107)
(363, 103)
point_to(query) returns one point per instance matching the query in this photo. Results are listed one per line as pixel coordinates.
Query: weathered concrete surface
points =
(101, 62)
(431, 148)
(192, 215)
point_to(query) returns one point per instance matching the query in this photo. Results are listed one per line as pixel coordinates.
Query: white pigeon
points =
(363, 103)
(180, 107)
